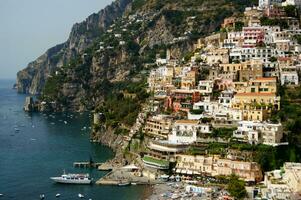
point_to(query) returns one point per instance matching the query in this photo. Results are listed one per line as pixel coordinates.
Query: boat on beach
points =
(73, 179)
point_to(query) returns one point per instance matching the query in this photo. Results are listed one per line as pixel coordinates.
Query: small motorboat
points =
(124, 183)
(57, 195)
(1, 195)
(42, 196)
(80, 195)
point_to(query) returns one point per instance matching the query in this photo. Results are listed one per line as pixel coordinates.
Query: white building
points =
(161, 61)
(296, 3)
(218, 110)
(289, 76)
(187, 131)
(262, 4)
(259, 132)
(244, 54)
(283, 184)
(225, 98)
(205, 87)
(234, 39)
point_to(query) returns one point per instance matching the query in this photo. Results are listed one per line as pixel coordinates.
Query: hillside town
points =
(225, 94)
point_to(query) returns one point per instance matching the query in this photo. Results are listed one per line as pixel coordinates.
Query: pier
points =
(86, 164)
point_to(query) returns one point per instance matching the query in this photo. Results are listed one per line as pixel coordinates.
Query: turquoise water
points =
(44, 147)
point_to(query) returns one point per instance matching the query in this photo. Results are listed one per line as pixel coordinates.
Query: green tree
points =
(236, 187)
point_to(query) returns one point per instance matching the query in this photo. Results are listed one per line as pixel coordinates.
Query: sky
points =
(29, 27)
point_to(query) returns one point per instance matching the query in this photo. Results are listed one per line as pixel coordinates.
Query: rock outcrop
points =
(29, 104)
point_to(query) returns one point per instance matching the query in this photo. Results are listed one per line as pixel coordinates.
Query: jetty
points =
(86, 164)
(126, 175)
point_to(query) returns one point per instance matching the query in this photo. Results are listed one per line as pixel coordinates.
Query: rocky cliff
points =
(32, 79)
(111, 48)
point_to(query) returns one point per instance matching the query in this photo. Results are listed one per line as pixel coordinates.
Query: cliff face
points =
(113, 45)
(32, 79)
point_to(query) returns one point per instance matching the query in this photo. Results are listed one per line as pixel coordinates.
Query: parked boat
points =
(73, 179)
(178, 178)
(124, 183)
(57, 195)
(80, 195)
(42, 196)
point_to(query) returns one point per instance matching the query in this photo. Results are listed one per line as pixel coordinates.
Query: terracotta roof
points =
(266, 79)
(187, 122)
(255, 94)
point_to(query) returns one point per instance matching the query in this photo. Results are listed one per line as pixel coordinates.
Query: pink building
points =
(253, 36)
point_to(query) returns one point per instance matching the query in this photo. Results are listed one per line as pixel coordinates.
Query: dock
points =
(86, 164)
(122, 176)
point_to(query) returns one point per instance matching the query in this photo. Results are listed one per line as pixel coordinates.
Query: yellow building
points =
(231, 67)
(251, 101)
(189, 80)
(158, 126)
(245, 71)
(255, 114)
(259, 85)
(215, 166)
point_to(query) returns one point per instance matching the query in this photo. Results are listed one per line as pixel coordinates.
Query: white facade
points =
(289, 78)
(205, 87)
(186, 131)
(234, 39)
(216, 110)
(225, 98)
(296, 3)
(259, 132)
(161, 61)
(262, 4)
(244, 54)
(283, 184)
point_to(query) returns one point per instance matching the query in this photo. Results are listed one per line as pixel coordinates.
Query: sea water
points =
(37, 146)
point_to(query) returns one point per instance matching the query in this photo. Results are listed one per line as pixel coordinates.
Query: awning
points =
(184, 171)
(178, 171)
(196, 173)
(189, 172)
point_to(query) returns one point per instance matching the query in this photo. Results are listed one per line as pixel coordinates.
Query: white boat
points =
(57, 195)
(80, 195)
(42, 196)
(124, 183)
(73, 179)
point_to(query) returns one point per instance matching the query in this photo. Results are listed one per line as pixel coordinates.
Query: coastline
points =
(148, 192)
